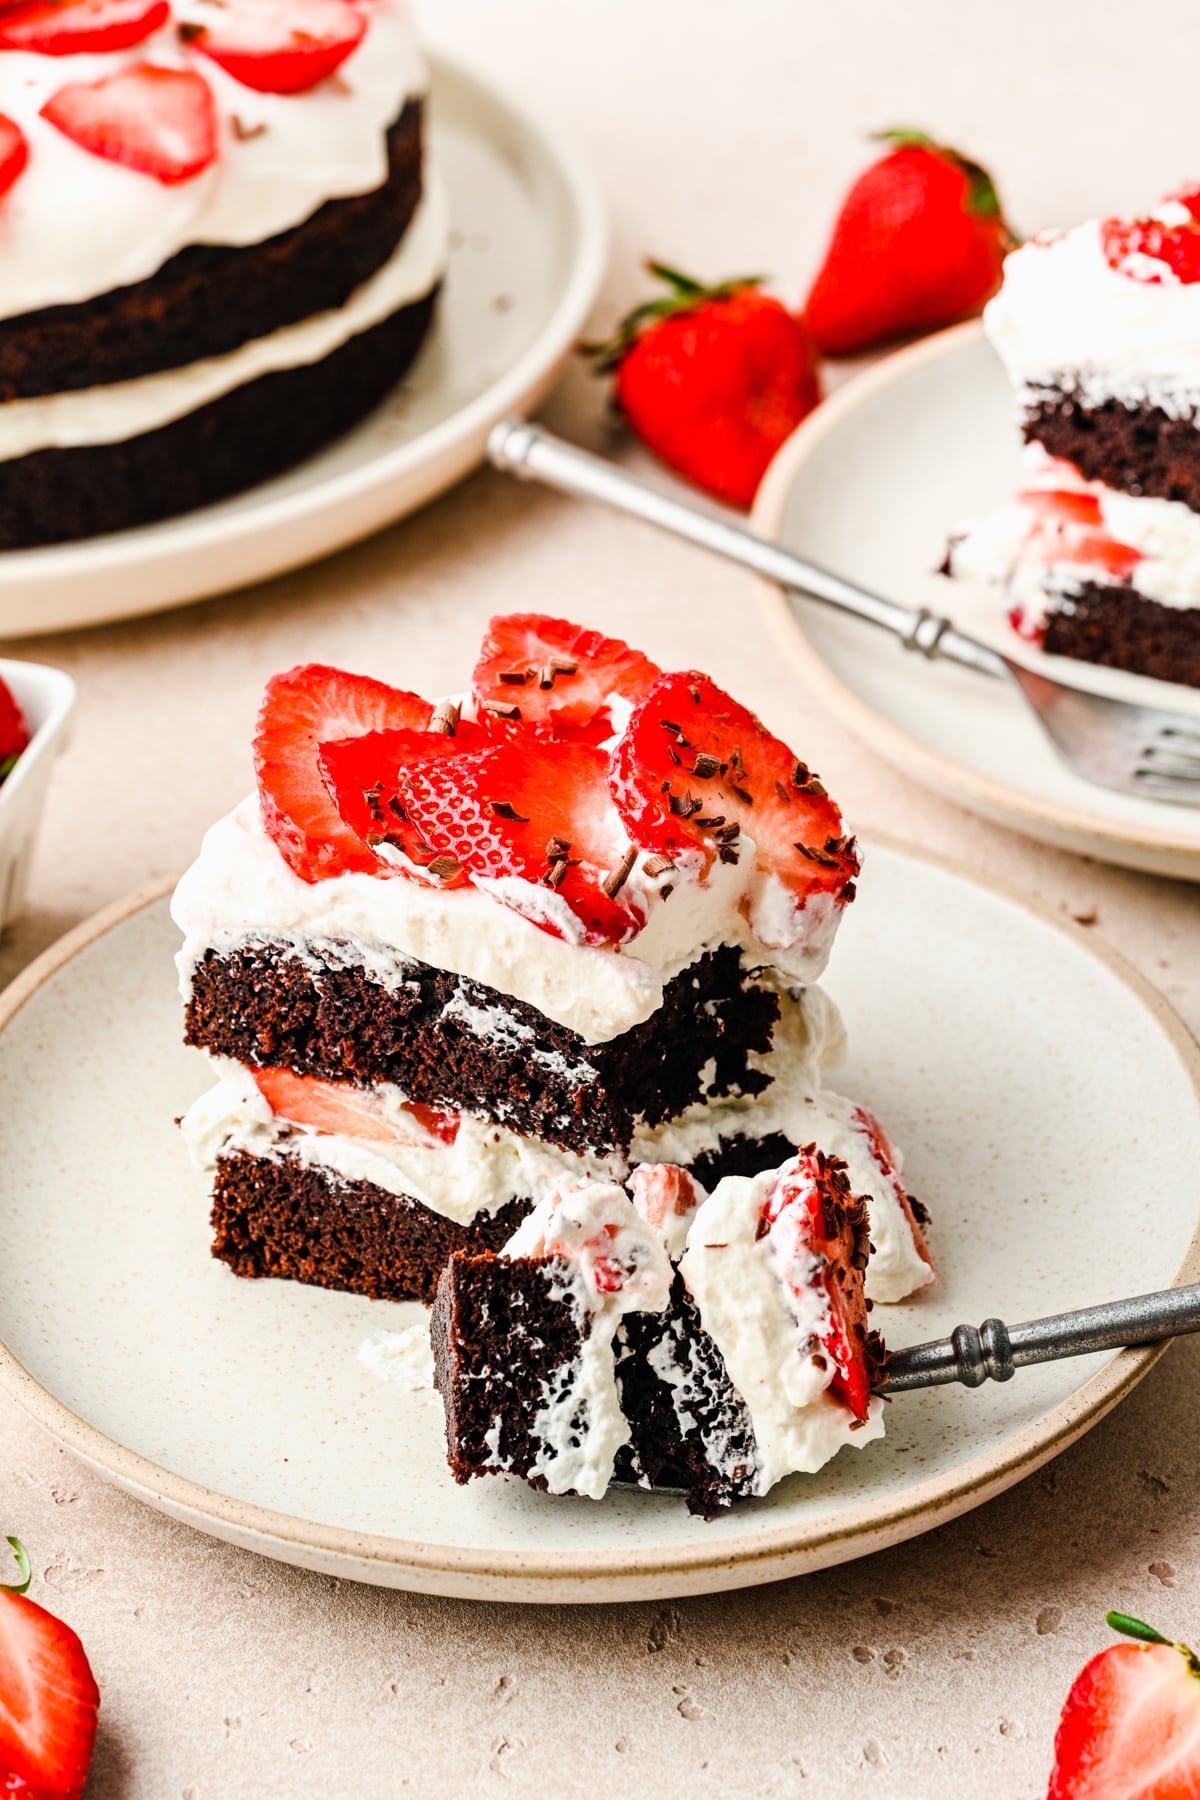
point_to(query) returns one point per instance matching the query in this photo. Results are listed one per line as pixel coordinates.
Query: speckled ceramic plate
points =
(1050, 1104)
(527, 256)
(871, 486)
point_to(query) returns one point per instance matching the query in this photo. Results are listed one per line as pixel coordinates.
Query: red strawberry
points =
(14, 152)
(695, 769)
(310, 706)
(162, 122)
(662, 1191)
(1130, 1729)
(1068, 527)
(334, 1108)
(1147, 250)
(816, 1228)
(14, 732)
(884, 1156)
(557, 675)
(919, 242)
(532, 822)
(281, 46)
(364, 776)
(713, 379)
(80, 27)
(48, 1698)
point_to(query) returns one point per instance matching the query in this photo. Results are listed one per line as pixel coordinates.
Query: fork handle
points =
(994, 1351)
(533, 454)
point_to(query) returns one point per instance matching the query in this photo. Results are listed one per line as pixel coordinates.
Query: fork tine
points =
(1167, 757)
(1169, 782)
(1176, 725)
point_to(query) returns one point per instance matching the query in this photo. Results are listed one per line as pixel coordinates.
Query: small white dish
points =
(527, 256)
(46, 697)
(1047, 1099)
(871, 486)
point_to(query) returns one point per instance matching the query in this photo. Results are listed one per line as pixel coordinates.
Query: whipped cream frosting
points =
(240, 890)
(125, 409)
(757, 1299)
(998, 549)
(76, 225)
(1064, 319)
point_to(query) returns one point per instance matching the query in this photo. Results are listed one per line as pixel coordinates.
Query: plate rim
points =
(893, 742)
(517, 387)
(750, 1558)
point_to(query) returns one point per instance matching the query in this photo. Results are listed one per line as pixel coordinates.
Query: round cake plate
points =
(1048, 1099)
(527, 256)
(871, 486)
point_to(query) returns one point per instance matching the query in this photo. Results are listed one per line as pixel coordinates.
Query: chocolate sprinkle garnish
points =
(501, 710)
(706, 765)
(557, 849)
(743, 794)
(394, 806)
(445, 718)
(614, 882)
(657, 865)
(504, 809)
(674, 756)
(443, 867)
(711, 821)
(556, 874)
(684, 805)
(245, 134)
(515, 677)
(664, 893)
(670, 725)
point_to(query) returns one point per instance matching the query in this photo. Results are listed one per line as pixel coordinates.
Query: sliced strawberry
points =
(364, 774)
(1147, 250)
(1061, 505)
(14, 152)
(1130, 1729)
(533, 823)
(80, 27)
(695, 770)
(48, 1699)
(884, 1157)
(818, 1232)
(14, 732)
(662, 1192)
(161, 122)
(1068, 527)
(310, 706)
(558, 675)
(280, 46)
(335, 1109)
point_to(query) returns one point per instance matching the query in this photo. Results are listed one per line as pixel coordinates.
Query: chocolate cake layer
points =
(264, 1006)
(272, 1216)
(208, 299)
(254, 432)
(1117, 628)
(1138, 450)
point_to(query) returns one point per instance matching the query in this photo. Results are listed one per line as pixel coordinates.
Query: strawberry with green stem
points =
(48, 1697)
(1130, 1729)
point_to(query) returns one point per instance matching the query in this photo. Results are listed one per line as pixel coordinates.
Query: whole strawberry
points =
(919, 242)
(14, 732)
(1130, 1729)
(48, 1698)
(713, 379)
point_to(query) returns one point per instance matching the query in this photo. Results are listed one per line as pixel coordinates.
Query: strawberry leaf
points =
(23, 1566)
(1135, 1628)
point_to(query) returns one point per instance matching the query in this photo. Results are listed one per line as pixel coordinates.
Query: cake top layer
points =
(1110, 309)
(132, 140)
(573, 832)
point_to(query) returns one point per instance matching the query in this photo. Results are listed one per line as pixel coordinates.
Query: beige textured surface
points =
(723, 136)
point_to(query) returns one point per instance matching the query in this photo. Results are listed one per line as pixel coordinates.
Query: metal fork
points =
(1133, 749)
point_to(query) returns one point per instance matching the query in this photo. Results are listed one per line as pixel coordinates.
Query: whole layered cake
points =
(219, 242)
(455, 960)
(1099, 552)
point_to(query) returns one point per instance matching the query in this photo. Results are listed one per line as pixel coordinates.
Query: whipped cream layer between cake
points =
(1066, 322)
(241, 891)
(126, 409)
(77, 225)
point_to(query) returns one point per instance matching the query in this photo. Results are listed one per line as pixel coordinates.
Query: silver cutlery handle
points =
(994, 1351)
(536, 455)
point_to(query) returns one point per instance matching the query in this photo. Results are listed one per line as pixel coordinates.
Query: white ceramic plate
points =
(1048, 1100)
(527, 258)
(871, 486)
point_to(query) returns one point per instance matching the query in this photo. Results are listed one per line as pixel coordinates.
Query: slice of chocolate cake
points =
(706, 1344)
(451, 955)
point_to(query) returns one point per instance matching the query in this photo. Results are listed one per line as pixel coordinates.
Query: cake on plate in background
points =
(457, 963)
(1098, 554)
(221, 246)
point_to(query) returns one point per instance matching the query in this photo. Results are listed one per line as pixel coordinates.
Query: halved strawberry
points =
(280, 46)
(819, 1234)
(880, 1146)
(364, 774)
(532, 822)
(48, 1698)
(695, 770)
(80, 27)
(161, 122)
(1130, 1729)
(301, 710)
(335, 1109)
(14, 731)
(14, 152)
(552, 673)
